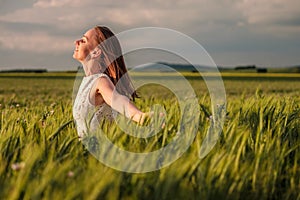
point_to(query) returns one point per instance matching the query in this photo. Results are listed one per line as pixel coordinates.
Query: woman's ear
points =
(96, 53)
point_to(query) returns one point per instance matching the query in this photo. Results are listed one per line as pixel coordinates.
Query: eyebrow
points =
(85, 37)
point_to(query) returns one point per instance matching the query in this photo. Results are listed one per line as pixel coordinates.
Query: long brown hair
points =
(113, 61)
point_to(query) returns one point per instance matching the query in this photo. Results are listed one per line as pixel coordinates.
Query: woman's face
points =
(85, 45)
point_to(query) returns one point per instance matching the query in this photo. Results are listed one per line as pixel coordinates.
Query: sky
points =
(40, 33)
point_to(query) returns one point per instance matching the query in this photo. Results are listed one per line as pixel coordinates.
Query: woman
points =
(106, 85)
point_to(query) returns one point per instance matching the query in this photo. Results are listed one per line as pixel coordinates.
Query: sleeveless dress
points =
(87, 115)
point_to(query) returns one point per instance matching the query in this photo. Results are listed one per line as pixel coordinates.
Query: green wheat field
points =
(256, 157)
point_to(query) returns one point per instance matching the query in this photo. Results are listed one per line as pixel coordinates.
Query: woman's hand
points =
(147, 116)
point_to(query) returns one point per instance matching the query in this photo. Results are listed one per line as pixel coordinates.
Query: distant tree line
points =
(24, 71)
(253, 67)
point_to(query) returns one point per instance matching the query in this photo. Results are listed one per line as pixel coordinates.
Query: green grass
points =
(256, 157)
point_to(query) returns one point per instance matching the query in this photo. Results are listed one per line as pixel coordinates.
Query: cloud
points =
(123, 13)
(52, 3)
(50, 26)
(37, 42)
(69, 14)
(268, 12)
(8, 6)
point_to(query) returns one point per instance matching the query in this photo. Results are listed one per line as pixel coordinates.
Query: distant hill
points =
(291, 69)
(165, 67)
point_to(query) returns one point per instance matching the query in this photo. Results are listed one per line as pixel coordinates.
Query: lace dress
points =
(85, 114)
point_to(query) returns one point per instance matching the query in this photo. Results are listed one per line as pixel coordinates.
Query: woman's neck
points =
(91, 68)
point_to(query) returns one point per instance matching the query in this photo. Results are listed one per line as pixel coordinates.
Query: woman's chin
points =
(75, 56)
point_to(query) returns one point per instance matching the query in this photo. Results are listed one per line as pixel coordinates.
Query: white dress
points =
(85, 114)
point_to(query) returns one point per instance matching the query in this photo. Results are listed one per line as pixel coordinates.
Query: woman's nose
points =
(77, 42)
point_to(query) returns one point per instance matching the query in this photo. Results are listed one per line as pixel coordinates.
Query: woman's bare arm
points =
(118, 102)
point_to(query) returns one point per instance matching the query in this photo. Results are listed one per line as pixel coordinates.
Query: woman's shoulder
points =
(100, 78)
(103, 82)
